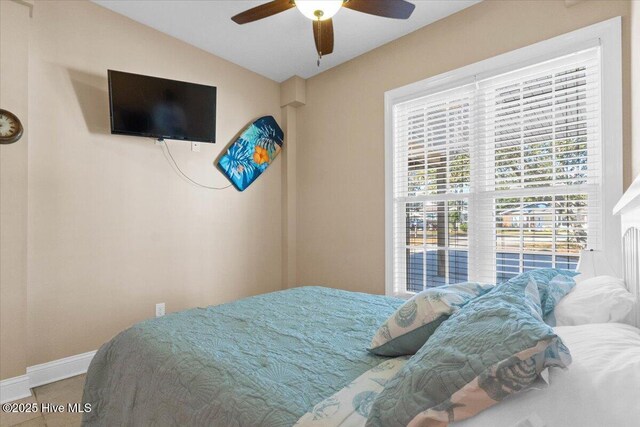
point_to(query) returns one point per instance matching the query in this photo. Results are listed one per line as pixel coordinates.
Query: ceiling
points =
(280, 46)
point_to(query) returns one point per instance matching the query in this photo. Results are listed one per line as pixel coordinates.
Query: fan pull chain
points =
(319, 41)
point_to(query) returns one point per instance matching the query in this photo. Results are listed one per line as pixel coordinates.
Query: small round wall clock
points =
(10, 127)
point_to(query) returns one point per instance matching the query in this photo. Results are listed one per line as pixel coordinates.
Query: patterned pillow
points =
(553, 284)
(413, 323)
(494, 346)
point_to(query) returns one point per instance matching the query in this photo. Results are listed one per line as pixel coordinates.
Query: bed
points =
(261, 361)
(299, 357)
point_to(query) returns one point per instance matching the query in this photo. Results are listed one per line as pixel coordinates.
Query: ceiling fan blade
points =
(323, 35)
(263, 11)
(398, 9)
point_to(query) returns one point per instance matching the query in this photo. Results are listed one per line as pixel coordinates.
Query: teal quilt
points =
(260, 361)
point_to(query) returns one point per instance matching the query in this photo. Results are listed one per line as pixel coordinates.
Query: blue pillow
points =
(552, 283)
(494, 346)
(406, 330)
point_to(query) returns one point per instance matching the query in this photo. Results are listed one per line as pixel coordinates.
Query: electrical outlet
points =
(195, 147)
(160, 309)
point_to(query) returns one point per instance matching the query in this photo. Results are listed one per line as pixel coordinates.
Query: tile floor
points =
(60, 392)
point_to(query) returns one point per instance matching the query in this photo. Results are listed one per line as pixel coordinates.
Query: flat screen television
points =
(161, 108)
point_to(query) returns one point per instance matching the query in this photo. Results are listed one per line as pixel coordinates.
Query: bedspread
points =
(260, 361)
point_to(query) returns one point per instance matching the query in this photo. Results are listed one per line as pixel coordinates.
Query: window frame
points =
(608, 35)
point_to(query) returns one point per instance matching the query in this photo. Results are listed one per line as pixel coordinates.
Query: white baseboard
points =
(14, 388)
(59, 369)
(19, 387)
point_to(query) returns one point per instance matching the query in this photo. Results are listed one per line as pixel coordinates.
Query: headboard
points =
(631, 263)
(629, 209)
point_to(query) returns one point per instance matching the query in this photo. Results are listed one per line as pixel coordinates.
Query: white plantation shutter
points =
(432, 176)
(498, 176)
(540, 140)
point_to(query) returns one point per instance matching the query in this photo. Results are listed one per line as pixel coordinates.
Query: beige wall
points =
(112, 229)
(341, 127)
(14, 40)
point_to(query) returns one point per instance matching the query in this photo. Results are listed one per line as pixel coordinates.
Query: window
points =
(495, 173)
(431, 187)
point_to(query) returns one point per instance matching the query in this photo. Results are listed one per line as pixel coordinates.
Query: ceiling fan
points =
(321, 12)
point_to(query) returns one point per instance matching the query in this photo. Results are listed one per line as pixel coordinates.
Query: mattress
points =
(261, 361)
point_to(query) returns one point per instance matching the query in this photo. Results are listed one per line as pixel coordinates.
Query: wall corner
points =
(14, 66)
(292, 96)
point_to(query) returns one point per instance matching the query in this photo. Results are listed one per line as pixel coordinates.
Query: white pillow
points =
(600, 388)
(600, 299)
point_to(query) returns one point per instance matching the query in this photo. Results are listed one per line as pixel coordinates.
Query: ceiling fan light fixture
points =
(319, 9)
